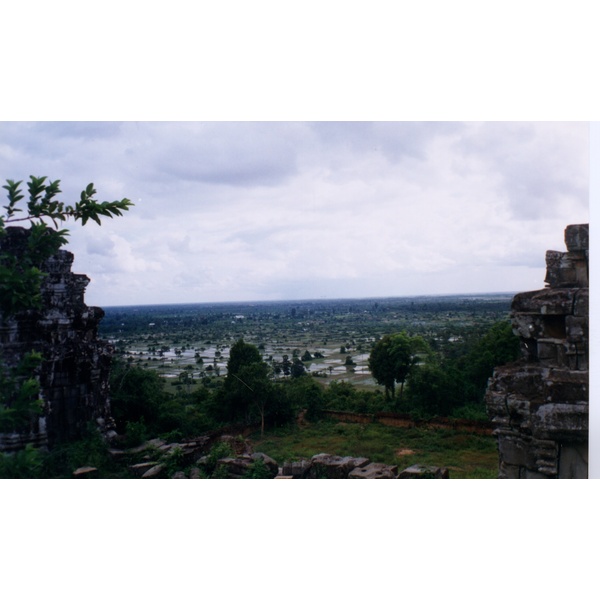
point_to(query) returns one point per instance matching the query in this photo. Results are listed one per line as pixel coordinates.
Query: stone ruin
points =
(149, 463)
(539, 404)
(75, 370)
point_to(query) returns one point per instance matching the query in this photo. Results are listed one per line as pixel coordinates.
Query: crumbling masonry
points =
(75, 371)
(539, 405)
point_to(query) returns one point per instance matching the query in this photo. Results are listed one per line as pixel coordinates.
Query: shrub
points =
(25, 464)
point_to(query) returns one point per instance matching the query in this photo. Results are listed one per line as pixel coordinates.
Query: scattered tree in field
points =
(246, 386)
(297, 369)
(392, 360)
(307, 357)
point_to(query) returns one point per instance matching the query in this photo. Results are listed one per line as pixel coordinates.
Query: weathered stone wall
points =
(75, 371)
(539, 405)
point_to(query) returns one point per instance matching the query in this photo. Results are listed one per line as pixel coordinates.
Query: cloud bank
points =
(288, 210)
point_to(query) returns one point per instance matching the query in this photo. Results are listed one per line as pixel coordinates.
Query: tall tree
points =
(393, 358)
(246, 386)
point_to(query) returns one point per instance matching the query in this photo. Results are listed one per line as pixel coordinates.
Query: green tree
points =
(392, 360)
(434, 390)
(304, 393)
(297, 369)
(242, 354)
(136, 395)
(247, 378)
(498, 346)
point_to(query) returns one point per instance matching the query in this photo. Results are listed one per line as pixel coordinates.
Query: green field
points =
(466, 455)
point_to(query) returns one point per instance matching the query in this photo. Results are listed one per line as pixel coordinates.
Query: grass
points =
(466, 455)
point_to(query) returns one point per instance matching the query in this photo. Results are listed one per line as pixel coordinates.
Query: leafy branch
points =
(42, 204)
(21, 276)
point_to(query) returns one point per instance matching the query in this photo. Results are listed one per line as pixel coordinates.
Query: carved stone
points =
(75, 371)
(539, 405)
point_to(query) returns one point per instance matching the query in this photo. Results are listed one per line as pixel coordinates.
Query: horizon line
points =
(322, 299)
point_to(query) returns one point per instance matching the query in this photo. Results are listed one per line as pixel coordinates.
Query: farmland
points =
(194, 339)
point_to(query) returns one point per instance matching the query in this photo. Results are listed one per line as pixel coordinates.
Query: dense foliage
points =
(393, 359)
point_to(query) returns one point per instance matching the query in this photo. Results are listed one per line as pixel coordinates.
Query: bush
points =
(259, 470)
(136, 433)
(91, 450)
(25, 464)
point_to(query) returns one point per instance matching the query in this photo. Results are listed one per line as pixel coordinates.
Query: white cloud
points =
(283, 210)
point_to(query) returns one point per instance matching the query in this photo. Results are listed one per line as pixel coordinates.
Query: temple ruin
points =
(539, 404)
(74, 373)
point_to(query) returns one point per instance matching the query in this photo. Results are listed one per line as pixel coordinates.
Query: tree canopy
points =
(393, 358)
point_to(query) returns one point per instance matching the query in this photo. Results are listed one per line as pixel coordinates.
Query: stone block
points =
(547, 350)
(557, 302)
(85, 472)
(515, 450)
(550, 301)
(562, 422)
(374, 471)
(523, 380)
(496, 408)
(576, 328)
(577, 237)
(566, 387)
(298, 469)
(531, 474)
(581, 307)
(508, 471)
(577, 358)
(140, 468)
(424, 472)
(573, 461)
(545, 450)
(525, 302)
(547, 467)
(334, 467)
(582, 271)
(527, 325)
(154, 472)
(518, 409)
(560, 270)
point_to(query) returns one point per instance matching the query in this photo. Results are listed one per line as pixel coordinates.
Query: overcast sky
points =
(289, 210)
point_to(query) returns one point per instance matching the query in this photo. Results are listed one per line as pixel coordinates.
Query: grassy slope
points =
(466, 455)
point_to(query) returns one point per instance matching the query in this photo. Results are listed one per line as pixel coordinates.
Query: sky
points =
(251, 211)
